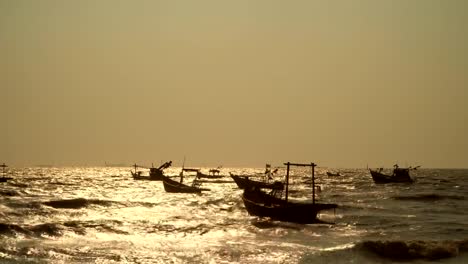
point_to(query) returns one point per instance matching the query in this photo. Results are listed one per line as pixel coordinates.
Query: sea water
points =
(101, 215)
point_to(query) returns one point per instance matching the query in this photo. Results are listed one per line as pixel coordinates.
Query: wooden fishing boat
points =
(172, 186)
(155, 174)
(273, 205)
(400, 175)
(212, 174)
(4, 178)
(333, 174)
(244, 182)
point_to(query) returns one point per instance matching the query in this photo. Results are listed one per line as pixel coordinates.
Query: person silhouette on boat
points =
(395, 169)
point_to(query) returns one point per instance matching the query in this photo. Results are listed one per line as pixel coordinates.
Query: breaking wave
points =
(58, 229)
(414, 250)
(378, 251)
(200, 229)
(34, 230)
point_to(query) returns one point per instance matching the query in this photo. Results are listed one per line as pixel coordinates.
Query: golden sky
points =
(234, 83)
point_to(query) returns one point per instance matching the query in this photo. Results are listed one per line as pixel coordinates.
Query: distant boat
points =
(212, 174)
(400, 175)
(4, 178)
(173, 186)
(333, 174)
(155, 174)
(273, 205)
(244, 182)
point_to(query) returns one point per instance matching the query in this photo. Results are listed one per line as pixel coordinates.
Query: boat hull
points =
(381, 178)
(243, 182)
(172, 186)
(261, 204)
(5, 179)
(156, 174)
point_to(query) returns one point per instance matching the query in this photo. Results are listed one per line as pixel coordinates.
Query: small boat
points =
(155, 174)
(4, 178)
(333, 174)
(273, 205)
(173, 186)
(212, 174)
(400, 175)
(244, 182)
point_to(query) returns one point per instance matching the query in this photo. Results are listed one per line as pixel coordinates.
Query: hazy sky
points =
(234, 83)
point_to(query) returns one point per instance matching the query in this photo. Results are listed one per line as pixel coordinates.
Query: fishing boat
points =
(400, 175)
(212, 174)
(155, 174)
(4, 178)
(244, 182)
(273, 205)
(333, 174)
(173, 186)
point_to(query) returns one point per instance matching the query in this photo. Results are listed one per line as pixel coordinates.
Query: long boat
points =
(244, 182)
(400, 175)
(273, 205)
(333, 173)
(172, 186)
(155, 174)
(212, 174)
(4, 178)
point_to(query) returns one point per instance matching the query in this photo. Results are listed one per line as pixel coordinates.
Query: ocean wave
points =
(61, 183)
(77, 203)
(9, 193)
(32, 230)
(413, 250)
(107, 226)
(376, 251)
(267, 224)
(58, 229)
(18, 184)
(200, 229)
(429, 197)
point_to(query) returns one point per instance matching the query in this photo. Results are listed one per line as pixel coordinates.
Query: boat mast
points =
(300, 165)
(287, 180)
(313, 182)
(182, 172)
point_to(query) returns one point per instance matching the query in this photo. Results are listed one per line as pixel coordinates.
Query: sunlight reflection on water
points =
(105, 216)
